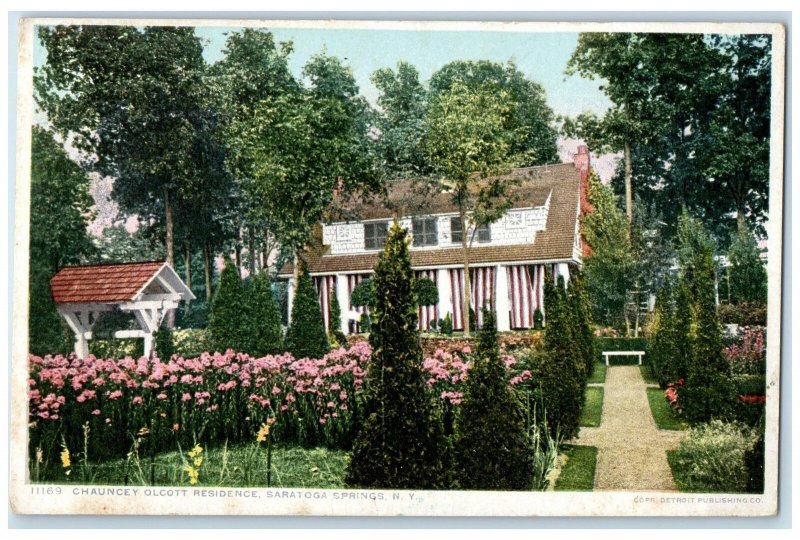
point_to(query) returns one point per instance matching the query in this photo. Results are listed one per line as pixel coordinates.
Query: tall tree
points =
(529, 116)
(298, 147)
(468, 143)
(228, 320)
(130, 99)
(61, 208)
(306, 336)
(403, 100)
(402, 444)
(612, 267)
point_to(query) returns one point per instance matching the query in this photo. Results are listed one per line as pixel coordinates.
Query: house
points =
(508, 258)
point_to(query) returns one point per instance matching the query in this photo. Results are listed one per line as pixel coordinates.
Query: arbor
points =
(493, 451)
(228, 320)
(60, 210)
(468, 143)
(402, 443)
(306, 336)
(747, 275)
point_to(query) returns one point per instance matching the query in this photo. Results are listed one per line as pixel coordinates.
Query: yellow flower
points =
(39, 455)
(193, 473)
(143, 432)
(195, 451)
(198, 461)
(65, 462)
(263, 432)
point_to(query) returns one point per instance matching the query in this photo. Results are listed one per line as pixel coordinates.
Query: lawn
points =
(598, 374)
(646, 375)
(662, 413)
(239, 466)
(577, 474)
(593, 407)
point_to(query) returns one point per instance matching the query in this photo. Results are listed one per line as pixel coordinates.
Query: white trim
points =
(182, 289)
(437, 215)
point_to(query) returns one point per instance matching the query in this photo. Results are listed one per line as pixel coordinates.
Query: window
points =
(425, 232)
(484, 234)
(374, 235)
(514, 220)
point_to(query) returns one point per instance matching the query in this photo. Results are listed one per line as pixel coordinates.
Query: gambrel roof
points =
(110, 283)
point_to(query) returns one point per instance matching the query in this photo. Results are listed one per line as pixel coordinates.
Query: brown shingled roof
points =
(554, 243)
(102, 282)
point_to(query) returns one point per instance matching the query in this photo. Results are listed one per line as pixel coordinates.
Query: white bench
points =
(606, 354)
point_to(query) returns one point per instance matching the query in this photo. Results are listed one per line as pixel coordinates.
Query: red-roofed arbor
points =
(149, 290)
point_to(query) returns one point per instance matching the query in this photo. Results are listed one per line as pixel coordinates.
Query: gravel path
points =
(631, 451)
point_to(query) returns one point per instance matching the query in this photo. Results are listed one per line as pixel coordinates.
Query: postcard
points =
(354, 268)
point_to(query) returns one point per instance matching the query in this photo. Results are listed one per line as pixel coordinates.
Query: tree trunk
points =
(467, 293)
(238, 251)
(628, 183)
(251, 247)
(188, 258)
(741, 221)
(170, 244)
(207, 265)
(170, 234)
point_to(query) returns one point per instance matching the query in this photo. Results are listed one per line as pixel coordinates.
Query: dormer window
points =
(375, 235)
(484, 233)
(425, 232)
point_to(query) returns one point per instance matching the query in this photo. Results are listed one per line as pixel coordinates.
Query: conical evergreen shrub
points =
(493, 451)
(335, 322)
(306, 337)
(228, 320)
(708, 392)
(562, 373)
(264, 325)
(401, 444)
(580, 309)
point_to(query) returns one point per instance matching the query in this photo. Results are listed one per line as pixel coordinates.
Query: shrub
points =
(426, 292)
(538, 318)
(362, 295)
(447, 325)
(163, 343)
(335, 333)
(306, 337)
(747, 275)
(366, 323)
(228, 320)
(562, 376)
(402, 443)
(116, 348)
(492, 447)
(712, 458)
(191, 342)
(743, 313)
(264, 324)
(580, 308)
(708, 393)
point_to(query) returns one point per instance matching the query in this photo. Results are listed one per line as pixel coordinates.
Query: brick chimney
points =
(583, 163)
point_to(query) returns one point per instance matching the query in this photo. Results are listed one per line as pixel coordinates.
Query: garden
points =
(392, 410)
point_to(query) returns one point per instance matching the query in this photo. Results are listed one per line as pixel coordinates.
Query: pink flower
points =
(186, 396)
(161, 397)
(96, 412)
(276, 390)
(137, 400)
(116, 394)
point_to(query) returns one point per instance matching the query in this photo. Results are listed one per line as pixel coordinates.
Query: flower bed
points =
(214, 398)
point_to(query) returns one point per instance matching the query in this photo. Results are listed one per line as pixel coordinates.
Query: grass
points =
(577, 474)
(593, 407)
(647, 375)
(598, 374)
(663, 414)
(239, 466)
